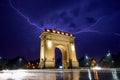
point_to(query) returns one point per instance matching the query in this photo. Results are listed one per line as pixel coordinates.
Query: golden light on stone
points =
(52, 39)
(49, 43)
(62, 33)
(58, 32)
(72, 47)
(54, 31)
(71, 35)
(48, 30)
(66, 34)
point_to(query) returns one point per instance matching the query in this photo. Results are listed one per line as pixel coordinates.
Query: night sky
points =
(95, 24)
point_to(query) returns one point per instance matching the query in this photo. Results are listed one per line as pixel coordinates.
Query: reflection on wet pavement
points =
(60, 74)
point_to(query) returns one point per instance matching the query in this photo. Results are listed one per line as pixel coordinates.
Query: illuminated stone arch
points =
(51, 39)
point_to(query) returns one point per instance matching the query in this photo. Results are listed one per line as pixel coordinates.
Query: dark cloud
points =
(92, 6)
(65, 18)
(72, 25)
(75, 12)
(42, 23)
(90, 20)
(54, 17)
(63, 15)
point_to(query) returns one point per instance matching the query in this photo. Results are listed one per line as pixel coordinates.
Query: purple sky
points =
(95, 23)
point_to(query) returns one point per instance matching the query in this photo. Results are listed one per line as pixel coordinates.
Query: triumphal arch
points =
(53, 38)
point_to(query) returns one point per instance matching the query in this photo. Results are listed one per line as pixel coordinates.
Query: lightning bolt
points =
(117, 34)
(87, 29)
(25, 17)
(90, 29)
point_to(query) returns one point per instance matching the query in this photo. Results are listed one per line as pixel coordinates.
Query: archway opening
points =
(58, 58)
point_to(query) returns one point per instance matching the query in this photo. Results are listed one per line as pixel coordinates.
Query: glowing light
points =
(71, 35)
(66, 34)
(53, 31)
(86, 63)
(48, 30)
(19, 74)
(89, 74)
(108, 54)
(112, 61)
(86, 57)
(14, 74)
(58, 32)
(33, 67)
(60, 67)
(73, 47)
(97, 68)
(28, 63)
(62, 32)
(20, 59)
(114, 74)
(5, 75)
(49, 43)
(42, 52)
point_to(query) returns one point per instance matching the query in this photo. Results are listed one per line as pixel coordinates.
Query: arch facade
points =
(51, 39)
